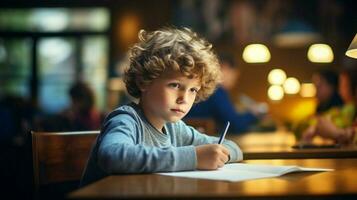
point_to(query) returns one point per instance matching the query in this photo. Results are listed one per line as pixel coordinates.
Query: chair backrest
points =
(60, 156)
(203, 125)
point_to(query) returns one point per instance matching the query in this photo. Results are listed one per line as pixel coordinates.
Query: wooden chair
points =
(203, 125)
(59, 159)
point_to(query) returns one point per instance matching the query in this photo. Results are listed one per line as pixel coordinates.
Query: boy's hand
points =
(211, 156)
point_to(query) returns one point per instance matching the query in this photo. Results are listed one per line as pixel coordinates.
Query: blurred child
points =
(219, 106)
(82, 114)
(338, 124)
(169, 70)
(329, 101)
(326, 83)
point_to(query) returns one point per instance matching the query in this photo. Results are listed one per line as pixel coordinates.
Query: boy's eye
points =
(195, 90)
(174, 85)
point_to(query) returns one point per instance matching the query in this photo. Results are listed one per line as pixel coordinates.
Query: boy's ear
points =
(140, 84)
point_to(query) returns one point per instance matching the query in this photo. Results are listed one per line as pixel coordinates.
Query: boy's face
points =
(168, 98)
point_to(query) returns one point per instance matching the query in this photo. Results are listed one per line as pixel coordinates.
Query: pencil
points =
(221, 138)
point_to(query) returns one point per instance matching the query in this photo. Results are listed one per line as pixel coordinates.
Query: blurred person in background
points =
(219, 106)
(329, 101)
(340, 124)
(328, 97)
(346, 88)
(82, 113)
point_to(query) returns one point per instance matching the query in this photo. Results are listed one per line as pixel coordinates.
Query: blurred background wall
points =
(47, 46)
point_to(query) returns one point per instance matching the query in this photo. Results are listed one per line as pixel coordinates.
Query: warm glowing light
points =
(275, 92)
(308, 90)
(300, 110)
(291, 85)
(320, 53)
(352, 49)
(276, 77)
(256, 53)
(128, 28)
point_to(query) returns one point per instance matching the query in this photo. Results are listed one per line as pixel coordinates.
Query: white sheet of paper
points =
(241, 172)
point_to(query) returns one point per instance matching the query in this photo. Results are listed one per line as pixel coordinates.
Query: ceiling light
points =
(256, 53)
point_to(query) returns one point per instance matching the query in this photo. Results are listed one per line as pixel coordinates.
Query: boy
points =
(169, 70)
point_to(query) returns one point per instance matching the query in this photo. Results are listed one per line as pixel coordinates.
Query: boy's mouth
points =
(178, 111)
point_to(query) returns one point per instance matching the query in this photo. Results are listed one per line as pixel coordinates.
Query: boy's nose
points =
(182, 98)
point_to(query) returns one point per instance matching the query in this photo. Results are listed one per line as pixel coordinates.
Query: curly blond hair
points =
(172, 49)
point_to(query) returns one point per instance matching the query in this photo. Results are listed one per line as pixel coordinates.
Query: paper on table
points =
(241, 172)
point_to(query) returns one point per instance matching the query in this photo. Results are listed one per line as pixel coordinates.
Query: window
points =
(43, 51)
(56, 72)
(15, 67)
(95, 60)
(54, 19)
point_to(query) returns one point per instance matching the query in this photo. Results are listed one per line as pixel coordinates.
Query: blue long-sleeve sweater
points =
(220, 108)
(128, 143)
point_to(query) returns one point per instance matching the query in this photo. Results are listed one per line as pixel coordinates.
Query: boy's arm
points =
(190, 136)
(120, 152)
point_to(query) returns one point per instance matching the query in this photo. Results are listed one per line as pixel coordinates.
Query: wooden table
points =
(338, 184)
(278, 145)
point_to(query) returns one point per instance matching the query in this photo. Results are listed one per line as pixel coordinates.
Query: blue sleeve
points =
(190, 136)
(120, 151)
(224, 111)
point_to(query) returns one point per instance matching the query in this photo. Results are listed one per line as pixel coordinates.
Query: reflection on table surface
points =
(275, 145)
(311, 185)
